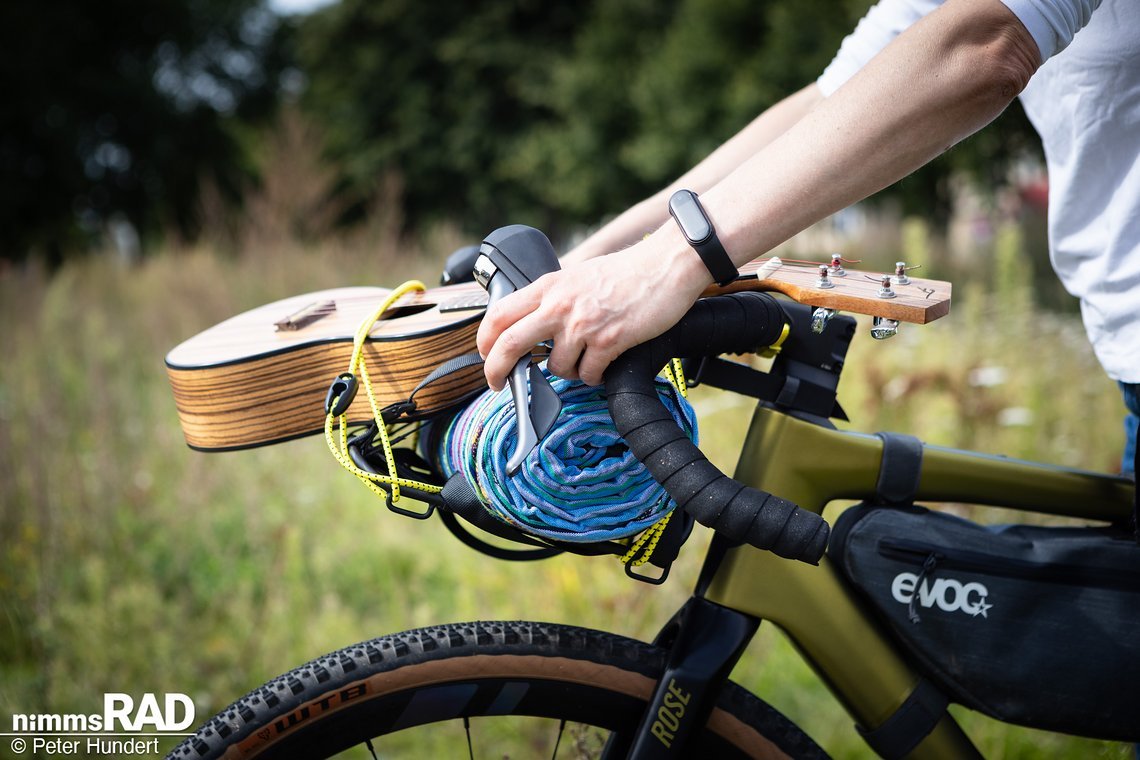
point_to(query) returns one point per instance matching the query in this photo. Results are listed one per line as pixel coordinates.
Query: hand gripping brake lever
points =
(511, 258)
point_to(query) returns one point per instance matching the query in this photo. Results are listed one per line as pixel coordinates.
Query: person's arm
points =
(646, 216)
(944, 78)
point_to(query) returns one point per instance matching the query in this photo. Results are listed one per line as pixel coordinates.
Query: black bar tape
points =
(725, 324)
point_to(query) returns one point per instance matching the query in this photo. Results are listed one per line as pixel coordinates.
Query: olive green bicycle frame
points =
(812, 466)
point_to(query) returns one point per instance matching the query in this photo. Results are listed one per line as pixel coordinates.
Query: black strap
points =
(900, 470)
(899, 734)
(716, 260)
(451, 366)
(788, 392)
(686, 209)
(460, 498)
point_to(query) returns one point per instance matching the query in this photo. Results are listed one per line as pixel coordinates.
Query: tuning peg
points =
(900, 277)
(836, 267)
(819, 319)
(824, 281)
(885, 287)
(883, 328)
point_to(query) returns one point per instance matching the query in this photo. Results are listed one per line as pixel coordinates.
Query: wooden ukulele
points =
(261, 377)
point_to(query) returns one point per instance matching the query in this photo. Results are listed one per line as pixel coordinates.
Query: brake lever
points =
(511, 258)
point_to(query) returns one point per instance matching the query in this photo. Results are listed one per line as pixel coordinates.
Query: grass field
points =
(129, 563)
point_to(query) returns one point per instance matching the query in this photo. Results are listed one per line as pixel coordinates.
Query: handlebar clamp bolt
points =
(885, 287)
(836, 267)
(824, 281)
(900, 277)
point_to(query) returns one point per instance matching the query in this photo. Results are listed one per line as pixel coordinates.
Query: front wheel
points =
(501, 689)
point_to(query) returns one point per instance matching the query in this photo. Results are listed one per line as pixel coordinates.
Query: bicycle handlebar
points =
(735, 323)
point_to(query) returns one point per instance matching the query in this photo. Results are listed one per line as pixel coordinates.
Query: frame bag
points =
(1038, 626)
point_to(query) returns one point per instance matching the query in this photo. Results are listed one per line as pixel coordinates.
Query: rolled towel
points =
(579, 484)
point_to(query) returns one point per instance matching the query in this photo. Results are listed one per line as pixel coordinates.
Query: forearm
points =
(943, 79)
(646, 216)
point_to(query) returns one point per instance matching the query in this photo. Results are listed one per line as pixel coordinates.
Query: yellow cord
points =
(652, 535)
(674, 372)
(774, 349)
(357, 366)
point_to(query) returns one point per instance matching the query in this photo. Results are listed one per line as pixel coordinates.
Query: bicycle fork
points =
(704, 640)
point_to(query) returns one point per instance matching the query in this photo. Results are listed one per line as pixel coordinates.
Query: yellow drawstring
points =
(357, 366)
(772, 350)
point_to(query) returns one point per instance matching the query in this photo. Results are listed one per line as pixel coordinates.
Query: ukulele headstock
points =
(831, 287)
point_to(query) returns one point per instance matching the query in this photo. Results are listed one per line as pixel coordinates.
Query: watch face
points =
(690, 217)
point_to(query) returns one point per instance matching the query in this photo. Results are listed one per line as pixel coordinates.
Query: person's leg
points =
(1131, 393)
(1130, 463)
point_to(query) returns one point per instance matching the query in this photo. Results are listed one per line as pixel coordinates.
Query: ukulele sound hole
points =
(396, 312)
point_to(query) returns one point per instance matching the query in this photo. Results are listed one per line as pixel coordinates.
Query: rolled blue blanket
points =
(580, 484)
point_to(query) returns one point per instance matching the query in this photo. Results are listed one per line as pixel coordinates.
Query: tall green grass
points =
(129, 563)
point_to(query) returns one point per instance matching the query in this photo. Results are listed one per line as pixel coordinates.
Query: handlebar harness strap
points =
(802, 396)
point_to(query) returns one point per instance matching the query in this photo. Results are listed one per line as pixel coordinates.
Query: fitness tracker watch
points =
(690, 216)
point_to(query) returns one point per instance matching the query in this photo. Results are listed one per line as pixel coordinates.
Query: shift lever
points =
(511, 258)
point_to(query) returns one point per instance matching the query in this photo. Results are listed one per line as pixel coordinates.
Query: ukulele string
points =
(478, 297)
(795, 262)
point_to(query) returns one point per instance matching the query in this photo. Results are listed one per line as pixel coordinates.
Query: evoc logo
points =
(949, 594)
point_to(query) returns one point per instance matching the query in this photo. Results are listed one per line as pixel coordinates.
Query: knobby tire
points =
(472, 670)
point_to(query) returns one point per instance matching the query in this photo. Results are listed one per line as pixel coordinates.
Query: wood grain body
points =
(228, 399)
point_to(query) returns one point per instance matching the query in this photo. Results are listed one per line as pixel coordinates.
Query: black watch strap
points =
(687, 211)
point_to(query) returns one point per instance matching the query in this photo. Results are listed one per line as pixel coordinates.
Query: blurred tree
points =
(551, 113)
(558, 113)
(436, 93)
(119, 110)
(545, 113)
